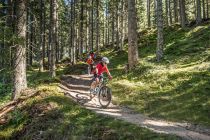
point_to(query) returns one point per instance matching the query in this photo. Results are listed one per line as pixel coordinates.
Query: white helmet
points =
(105, 60)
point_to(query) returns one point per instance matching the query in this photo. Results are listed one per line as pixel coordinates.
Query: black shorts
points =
(98, 76)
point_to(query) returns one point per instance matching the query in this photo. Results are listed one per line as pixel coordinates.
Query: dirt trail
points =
(77, 87)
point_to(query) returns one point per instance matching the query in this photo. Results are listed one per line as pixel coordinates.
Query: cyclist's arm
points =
(108, 73)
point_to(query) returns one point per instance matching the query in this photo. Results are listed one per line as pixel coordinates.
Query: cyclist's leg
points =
(100, 78)
(95, 82)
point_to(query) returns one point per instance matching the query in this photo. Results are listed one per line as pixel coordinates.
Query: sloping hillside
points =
(176, 89)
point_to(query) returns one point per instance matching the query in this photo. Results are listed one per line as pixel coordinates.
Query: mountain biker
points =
(90, 60)
(93, 55)
(90, 63)
(100, 69)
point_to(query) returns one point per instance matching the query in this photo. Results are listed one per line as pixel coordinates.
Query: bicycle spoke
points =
(104, 97)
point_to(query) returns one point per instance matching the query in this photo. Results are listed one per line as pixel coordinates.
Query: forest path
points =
(77, 88)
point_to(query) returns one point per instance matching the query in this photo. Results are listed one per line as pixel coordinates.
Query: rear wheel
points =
(105, 96)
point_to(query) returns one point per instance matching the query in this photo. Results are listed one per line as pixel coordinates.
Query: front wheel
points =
(105, 96)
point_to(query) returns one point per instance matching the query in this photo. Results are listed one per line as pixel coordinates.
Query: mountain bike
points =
(103, 92)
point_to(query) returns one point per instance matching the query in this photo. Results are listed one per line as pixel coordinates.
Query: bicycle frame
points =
(103, 82)
(102, 96)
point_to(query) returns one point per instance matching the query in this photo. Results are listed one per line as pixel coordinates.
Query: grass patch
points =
(176, 89)
(5, 93)
(51, 115)
(35, 79)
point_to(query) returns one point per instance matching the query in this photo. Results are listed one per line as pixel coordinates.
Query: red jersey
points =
(92, 56)
(102, 69)
(90, 61)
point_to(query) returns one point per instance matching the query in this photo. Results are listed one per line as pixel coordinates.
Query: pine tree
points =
(132, 35)
(20, 82)
(198, 18)
(159, 50)
(53, 6)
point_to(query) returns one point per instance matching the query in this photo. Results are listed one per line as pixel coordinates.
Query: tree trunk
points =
(148, 14)
(198, 18)
(167, 11)
(117, 27)
(132, 35)
(71, 32)
(87, 26)
(122, 25)
(159, 51)
(62, 43)
(92, 25)
(108, 27)
(107, 24)
(20, 82)
(113, 31)
(207, 9)
(170, 14)
(182, 13)
(41, 68)
(155, 14)
(97, 27)
(204, 9)
(53, 40)
(81, 29)
(175, 11)
(44, 36)
(195, 9)
(56, 34)
(74, 34)
(31, 37)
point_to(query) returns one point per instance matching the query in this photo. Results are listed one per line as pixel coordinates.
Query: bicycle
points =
(103, 92)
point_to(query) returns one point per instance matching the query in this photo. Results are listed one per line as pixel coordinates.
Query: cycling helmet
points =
(105, 60)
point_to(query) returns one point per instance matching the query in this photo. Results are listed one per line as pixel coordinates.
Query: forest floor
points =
(48, 113)
(77, 88)
(171, 98)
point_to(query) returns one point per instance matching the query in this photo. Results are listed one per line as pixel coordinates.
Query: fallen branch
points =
(11, 105)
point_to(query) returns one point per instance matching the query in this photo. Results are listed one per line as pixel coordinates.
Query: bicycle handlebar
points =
(105, 80)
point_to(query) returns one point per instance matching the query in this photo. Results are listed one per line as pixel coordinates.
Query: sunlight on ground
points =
(175, 89)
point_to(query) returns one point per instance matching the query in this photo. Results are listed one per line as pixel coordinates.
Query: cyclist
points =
(90, 63)
(93, 55)
(100, 69)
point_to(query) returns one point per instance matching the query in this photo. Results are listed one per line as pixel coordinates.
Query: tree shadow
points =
(189, 101)
(57, 117)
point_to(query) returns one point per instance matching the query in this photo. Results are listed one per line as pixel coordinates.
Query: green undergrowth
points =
(175, 89)
(35, 79)
(5, 86)
(51, 115)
